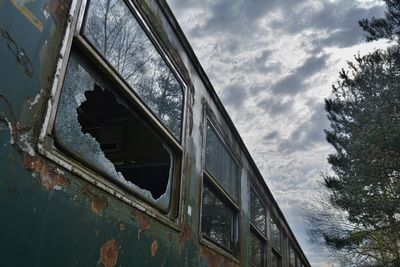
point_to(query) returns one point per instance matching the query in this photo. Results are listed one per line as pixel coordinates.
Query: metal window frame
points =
(220, 192)
(252, 188)
(73, 40)
(264, 243)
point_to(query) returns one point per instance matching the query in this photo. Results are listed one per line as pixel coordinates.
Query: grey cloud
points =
(233, 95)
(307, 134)
(271, 136)
(275, 106)
(338, 19)
(295, 82)
(238, 18)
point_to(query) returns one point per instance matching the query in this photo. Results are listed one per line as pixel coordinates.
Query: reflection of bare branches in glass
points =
(256, 251)
(217, 219)
(114, 31)
(257, 212)
(220, 164)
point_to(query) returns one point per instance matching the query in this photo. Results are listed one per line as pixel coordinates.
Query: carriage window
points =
(276, 259)
(292, 257)
(275, 235)
(217, 220)
(219, 215)
(256, 251)
(220, 164)
(257, 211)
(114, 31)
(100, 128)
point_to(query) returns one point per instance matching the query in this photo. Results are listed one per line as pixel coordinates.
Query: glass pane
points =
(275, 235)
(276, 259)
(257, 211)
(217, 219)
(221, 164)
(98, 127)
(292, 259)
(256, 251)
(114, 31)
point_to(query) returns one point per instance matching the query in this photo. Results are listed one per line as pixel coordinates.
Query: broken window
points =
(97, 125)
(114, 31)
(257, 211)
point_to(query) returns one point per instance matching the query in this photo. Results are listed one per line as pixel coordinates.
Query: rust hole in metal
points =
(98, 203)
(154, 248)
(49, 177)
(109, 253)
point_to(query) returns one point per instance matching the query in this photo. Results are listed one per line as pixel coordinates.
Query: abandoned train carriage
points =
(115, 149)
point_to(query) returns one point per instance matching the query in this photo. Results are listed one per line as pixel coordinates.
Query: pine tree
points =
(361, 216)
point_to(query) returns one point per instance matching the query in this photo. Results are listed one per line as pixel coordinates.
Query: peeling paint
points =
(122, 227)
(49, 177)
(98, 203)
(154, 248)
(109, 253)
(20, 6)
(143, 221)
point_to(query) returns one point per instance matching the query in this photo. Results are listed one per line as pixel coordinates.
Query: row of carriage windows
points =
(120, 112)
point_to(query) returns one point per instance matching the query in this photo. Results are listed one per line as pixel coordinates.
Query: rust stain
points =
(143, 221)
(58, 9)
(154, 248)
(122, 227)
(49, 177)
(98, 203)
(213, 259)
(20, 5)
(109, 253)
(185, 235)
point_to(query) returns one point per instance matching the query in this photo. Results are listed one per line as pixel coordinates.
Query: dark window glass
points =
(275, 235)
(220, 164)
(257, 211)
(114, 31)
(217, 219)
(298, 262)
(99, 127)
(276, 259)
(256, 251)
(292, 258)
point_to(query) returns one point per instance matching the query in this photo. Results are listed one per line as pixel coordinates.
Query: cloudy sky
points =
(272, 62)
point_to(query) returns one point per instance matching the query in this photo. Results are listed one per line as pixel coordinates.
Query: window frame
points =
(73, 40)
(253, 228)
(207, 179)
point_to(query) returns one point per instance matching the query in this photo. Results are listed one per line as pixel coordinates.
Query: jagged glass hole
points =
(126, 141)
